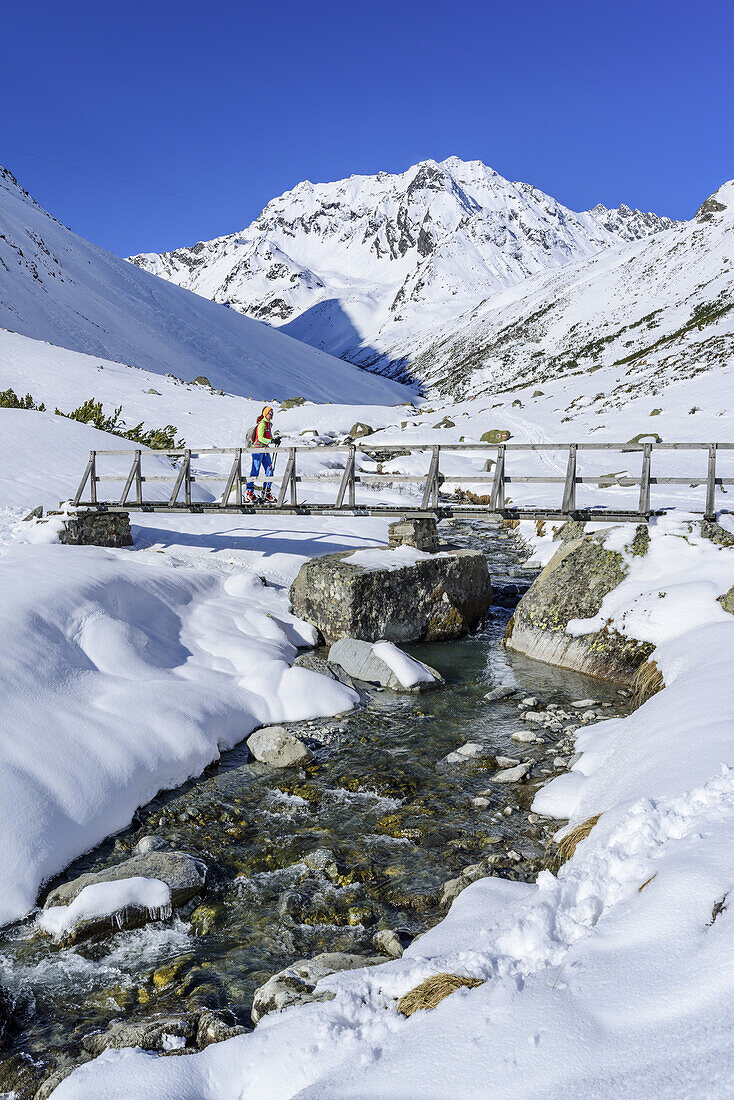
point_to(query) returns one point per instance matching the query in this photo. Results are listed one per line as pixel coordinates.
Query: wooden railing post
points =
(134, 475)
(710, 512)
(90, 469)
(289, 481)
(182, 475)
(569, 489)
(234, 480)
(347, 481)
(645, 479)
(294, 487)
(138, 477)
(187, 480)
(430, 492)
(93, 479)
(497, 499)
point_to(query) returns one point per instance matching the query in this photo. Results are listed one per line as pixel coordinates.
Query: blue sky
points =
(145, 126)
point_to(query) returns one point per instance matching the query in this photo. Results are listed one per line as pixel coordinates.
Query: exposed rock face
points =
(276, 746)
(96, 529)
(360, 661)
(432, 599)
(572, 586)
(297, 983)
(182, 873)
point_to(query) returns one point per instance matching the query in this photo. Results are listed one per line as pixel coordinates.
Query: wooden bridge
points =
(431, 486)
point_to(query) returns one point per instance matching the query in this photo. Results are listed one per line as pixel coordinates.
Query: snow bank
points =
(121, 676)
(102, 899)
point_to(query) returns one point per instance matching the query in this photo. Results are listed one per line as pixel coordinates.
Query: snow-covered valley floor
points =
(122, 672)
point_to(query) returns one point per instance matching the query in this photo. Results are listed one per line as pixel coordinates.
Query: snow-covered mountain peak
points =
(367, 265)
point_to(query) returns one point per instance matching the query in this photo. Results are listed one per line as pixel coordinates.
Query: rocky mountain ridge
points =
(363, 267)
(644, 315)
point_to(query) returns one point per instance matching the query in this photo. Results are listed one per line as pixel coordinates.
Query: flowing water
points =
(314, 859)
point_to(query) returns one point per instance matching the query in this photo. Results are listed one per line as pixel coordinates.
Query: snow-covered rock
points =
(182, 874)
(297, 983)
(384, 664)
(105, 907)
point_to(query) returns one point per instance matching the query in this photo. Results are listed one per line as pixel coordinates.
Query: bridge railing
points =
(183, 477)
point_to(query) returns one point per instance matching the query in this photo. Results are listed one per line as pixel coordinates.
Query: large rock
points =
(183, 874)
(360, 660)
(572, 586)
(278, 747)
(297, 983)
(429, 598)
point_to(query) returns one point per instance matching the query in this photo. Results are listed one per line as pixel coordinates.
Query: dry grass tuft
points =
(513, 524)
(433, 990)
(568, 843)
(648, 682)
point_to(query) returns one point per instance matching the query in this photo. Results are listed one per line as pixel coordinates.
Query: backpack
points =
(250, 437)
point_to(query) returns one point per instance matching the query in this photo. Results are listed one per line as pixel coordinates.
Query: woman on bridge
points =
(262, 435)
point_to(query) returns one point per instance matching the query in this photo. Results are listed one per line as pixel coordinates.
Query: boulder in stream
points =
(383, 664)
(278, 747)
(401, 595)
(181, 873)
(297, 983)
(572, 586)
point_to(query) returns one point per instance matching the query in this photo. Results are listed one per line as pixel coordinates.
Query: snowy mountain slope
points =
(360, 267)
(642, 315)
(55, 286)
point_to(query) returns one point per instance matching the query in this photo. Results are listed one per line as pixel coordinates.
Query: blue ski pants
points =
(266, 461)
